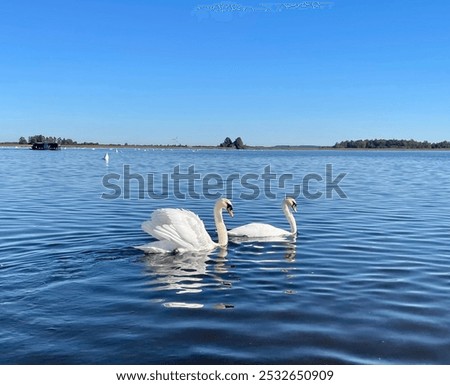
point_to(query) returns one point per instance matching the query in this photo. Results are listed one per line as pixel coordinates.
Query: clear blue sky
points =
(150, 71)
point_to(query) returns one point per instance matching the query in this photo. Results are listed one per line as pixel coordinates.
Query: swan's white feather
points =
(177, 229)
(258, 230)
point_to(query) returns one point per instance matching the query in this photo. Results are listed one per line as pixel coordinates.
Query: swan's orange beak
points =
(230, 210)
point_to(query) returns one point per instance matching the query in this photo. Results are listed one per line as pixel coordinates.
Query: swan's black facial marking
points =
(230, 210)
(294, 206)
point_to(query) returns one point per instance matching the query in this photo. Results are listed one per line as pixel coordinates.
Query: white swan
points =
(263, 230)
(180, 231)
(106, 158)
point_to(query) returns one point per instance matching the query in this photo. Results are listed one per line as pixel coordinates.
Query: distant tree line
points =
(238, 143)
(391, 143)
(51, 139)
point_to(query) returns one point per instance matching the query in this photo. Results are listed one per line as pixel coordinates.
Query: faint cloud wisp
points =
(235, 8)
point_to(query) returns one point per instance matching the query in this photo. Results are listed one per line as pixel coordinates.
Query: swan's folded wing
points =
(182, 227)
(258, 230)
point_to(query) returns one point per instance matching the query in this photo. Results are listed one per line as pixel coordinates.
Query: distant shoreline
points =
(204, 147)
(173, 146)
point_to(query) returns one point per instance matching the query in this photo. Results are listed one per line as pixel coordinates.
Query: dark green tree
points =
(226, 143)
(239, 144)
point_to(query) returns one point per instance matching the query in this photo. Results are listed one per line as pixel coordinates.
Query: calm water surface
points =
(367, 280)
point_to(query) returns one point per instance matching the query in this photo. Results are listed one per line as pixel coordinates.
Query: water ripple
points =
(367, 280)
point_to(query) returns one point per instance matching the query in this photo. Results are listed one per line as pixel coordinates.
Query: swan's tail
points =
(148, 227)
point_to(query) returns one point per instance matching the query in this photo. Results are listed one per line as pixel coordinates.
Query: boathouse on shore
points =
(45, 146)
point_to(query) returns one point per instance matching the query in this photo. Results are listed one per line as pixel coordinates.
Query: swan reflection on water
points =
(189, 274)
(184, 273)
(268, 245)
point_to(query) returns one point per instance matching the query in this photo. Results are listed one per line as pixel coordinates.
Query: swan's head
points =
(291, 203)
(224, 203)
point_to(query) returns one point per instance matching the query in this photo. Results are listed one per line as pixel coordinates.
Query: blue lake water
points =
(366, 281)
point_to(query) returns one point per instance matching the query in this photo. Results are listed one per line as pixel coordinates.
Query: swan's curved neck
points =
(220, 226)
(290, 218)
